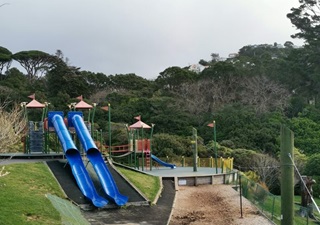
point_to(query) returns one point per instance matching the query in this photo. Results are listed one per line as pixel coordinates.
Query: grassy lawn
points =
(147, 184)
(22, 199)
(272, 203)
(23, 190)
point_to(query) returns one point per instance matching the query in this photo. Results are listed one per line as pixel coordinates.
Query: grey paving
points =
(181, 171)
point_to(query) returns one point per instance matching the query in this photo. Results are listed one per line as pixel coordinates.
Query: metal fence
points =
(270, 205)
(225, 165)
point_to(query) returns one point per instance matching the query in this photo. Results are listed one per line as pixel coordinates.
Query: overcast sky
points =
(142, 36)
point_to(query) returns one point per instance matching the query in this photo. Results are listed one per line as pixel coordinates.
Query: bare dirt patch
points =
(213, 204)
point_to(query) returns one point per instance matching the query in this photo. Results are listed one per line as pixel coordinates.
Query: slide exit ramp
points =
(156, 159)
(96, 159)
(74, 158)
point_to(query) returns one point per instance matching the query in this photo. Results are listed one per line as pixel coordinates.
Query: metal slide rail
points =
(74, 158)
(96, 159)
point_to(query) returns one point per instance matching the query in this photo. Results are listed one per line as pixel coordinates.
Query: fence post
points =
(272, 213)
(240, 186)
(222, 164)
(287, 176)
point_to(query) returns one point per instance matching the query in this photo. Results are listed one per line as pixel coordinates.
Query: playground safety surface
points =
(132, 214)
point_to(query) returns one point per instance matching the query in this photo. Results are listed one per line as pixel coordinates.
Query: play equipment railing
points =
(116, 149)
(225, 164)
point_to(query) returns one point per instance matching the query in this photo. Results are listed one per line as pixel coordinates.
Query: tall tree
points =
(306, 18)
(172, 77)
(5, 59)
(34, 62)
(65, 79)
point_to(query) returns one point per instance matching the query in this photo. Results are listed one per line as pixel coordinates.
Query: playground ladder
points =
(148, 158)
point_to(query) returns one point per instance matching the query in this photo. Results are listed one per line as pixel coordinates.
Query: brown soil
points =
(213, 204)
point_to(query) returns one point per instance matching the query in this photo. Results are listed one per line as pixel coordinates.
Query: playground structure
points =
(139, 150)
(72, 137)
(41, 139)
(69, 131)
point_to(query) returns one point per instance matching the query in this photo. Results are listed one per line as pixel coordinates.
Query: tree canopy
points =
(33, 61)
(5, 59)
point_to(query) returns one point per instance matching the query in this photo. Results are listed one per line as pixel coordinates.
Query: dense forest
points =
(249, 95)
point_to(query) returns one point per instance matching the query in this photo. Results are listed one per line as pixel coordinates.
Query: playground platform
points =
(186, 176)
(182, 171)
(39, 155)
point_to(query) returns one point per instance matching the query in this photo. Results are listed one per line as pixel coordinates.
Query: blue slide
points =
(172, 166)
(97, 162)
(74, 158)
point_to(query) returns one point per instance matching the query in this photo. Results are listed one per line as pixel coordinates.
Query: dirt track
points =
(213, 204)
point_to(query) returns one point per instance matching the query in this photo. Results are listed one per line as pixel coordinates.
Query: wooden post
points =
(287, 176)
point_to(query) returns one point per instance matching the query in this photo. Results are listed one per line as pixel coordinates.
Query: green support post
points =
(89, 115)
(109, 129)
(151, 134)
(195, 150)
(142, 150)
(92, 119)
(215, 145)
(287, 176)
(135, 147)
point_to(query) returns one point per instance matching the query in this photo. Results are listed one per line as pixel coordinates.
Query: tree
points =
(63, 79)
(288, 44)
(128, 82)
(171, 145)
(172, 77)
(34, 62)
(306, 18)
(5, 59)
(307, 134)
(312, 169)
(12, 127)
(267, 168)
(264, 94)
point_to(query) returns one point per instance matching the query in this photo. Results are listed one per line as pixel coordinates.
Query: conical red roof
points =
(35, 104)
(139, 124)
(83, 105)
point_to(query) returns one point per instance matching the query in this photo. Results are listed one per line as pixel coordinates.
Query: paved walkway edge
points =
(159, 192)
